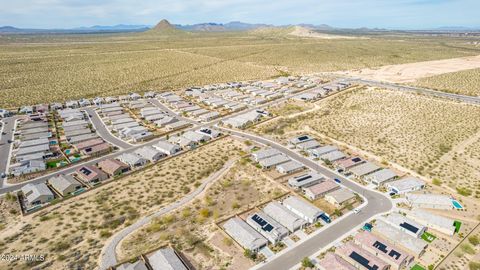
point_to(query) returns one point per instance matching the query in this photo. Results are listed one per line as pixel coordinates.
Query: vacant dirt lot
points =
(192, 229)
(435, 138)
(72, 233)
(410, 72)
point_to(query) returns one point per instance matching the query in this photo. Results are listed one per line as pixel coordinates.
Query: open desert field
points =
(35, 69)
(432, 137)
(72, 233)
(192, 229)
(410, 72)
(465, 82)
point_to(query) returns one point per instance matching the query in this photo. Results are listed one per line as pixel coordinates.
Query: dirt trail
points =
(410, 72)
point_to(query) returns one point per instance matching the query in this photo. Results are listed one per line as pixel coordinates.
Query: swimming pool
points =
(456, 204)
(67, 152)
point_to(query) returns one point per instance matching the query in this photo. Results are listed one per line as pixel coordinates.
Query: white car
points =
(356, 210)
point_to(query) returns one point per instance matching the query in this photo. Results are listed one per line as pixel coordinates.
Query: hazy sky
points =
(341, 13)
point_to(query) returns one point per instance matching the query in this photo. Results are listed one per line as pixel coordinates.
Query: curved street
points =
(376, 203)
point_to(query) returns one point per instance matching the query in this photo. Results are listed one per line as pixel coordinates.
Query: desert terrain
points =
(72, 233)
(427, 136)
(462, 82)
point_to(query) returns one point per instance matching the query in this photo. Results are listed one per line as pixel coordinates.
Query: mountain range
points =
(200, 27)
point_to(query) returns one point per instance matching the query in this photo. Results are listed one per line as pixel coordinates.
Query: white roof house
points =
(149, 153)
(305, 180)
(332, 156)
(284, 216)
(28, 166)
(64, 184)
(415, 245)
(340, 196)
(379, 178)
(433, 201)
(166, 259)
(132, 160)
(317, 152)
(268, 227)
(404, 185)
(195, 136)
(265, 153)
(211, 133)
(270, 162)
(364, 169)
(244, 235)
(300, 139)
(439, 223)
(165, 121)
(303, 209)
(312, 144)
(37, 194)
(167, 148)
(405, 224)
(289, 167)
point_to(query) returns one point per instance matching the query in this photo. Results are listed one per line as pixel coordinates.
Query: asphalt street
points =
(377, 203)
(8, 125)
(103, 131)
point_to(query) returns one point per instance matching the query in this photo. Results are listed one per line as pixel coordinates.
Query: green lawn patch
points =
(417, 267)
(457, 225)
(428, 237)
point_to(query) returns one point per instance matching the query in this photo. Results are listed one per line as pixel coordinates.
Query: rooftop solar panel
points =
(380, 246)
(409, 227)
(363, 261)
(394, 254)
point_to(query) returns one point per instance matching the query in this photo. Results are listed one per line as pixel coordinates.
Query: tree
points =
(474, 240)
(250, 254)
(307, 263)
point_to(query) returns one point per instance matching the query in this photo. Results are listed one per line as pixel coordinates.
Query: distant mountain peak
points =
(163, 25)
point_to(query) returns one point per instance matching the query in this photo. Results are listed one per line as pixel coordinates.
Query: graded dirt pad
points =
(433, 137)
(72, 233)
(404, 73)
(192, 228)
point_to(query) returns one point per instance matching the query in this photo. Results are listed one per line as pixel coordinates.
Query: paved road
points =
(377, 203)
(157, 103)
(7, 127)
(426, 91)
(108, 256)
(103, 131)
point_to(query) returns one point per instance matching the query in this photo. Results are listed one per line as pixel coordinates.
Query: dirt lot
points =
(410, 72)
(432, 137)
(72, 233)
(192, 229)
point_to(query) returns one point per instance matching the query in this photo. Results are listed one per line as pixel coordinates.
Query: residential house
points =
(405, 224)
(113, 167)
(305, 146)
(211, 133)
(319, 190)
(91, 174)
(265, 153)
(132, 160)
(439, 223)
(29, 166)
(150, 153)
(138, 265)
(364, 169)
(36, 194)
(266, 226)
(167, 148)
(413, 245)
(379, 178)
(289, 167)
(284, 216)
(244, 235)
(360, 258)
(306, 180)
(166, 259)
(340, 197)
(270, 162)
(405, 185)
(65, 184)
(317, 152)
(332, 261)
(384, 249)
(97, 150)
(303, 209)
(432, 201)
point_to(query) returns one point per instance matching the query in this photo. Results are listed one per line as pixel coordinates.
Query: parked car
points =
(337, 180)
(4, 133)
(356, 210)
(9, 141)
(3, 175)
